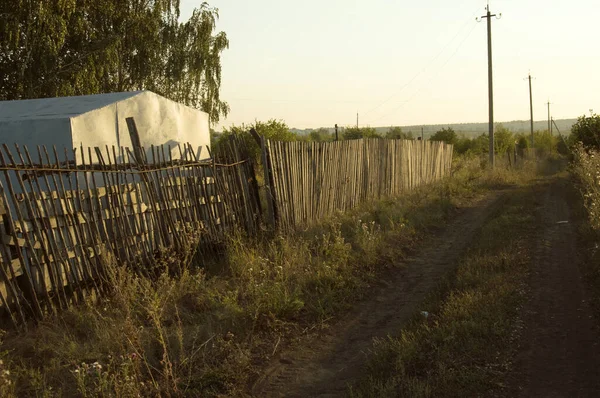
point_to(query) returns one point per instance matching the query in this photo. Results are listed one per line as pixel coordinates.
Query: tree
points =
(544, 141)
(587, 131)
(276, 130)
(447, 135)
(320, 135)
(397, 134)
(77, 47)
(503, 140)
(354, 133)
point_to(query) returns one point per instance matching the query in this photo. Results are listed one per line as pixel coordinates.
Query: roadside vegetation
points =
(209, 331)
(460, 344)
(586, 172)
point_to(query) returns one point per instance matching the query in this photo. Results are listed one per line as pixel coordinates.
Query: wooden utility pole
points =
(336, 132)
(549, 124)
(531, 109)
(489, 16)
(357, 120)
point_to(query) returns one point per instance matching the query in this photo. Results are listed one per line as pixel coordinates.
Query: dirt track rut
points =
(560, 348)
(324, 366)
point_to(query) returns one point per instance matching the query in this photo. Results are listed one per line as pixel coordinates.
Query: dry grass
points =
(207, 332)
(462, 348)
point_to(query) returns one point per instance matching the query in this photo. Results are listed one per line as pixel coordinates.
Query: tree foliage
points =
(320, 135)
(77, 47)
(587, 131)
(276, 130)
(354, 133)
(447, 135)
(396, 133)
(504, 140)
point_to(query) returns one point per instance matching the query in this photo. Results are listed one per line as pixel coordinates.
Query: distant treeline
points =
(468, 129)
(474, 143)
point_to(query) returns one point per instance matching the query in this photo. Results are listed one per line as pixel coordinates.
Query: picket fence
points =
(63, 224)
(311, 180)
(66, 219)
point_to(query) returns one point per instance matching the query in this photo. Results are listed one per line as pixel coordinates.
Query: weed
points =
(460, 350)
(207, 332)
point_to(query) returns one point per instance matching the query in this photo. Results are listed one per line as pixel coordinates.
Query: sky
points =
(315, 63)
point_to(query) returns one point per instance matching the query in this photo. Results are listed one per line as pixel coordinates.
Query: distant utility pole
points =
(549, 123)
(531, 108)
(489, 16)
(357, 120)
(336, 132)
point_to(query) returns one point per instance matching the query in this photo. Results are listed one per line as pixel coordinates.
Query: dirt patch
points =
(326, 364)
(559, 352)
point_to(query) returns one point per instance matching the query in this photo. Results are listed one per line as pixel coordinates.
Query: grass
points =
(209, 331)
(462, 347)
(585, 196)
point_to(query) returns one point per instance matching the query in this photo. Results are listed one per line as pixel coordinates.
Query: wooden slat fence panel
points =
(312, 180)
(61, 223)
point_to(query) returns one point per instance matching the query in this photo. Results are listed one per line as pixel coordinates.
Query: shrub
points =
(587, 131)
(447, 135)
(355, 133)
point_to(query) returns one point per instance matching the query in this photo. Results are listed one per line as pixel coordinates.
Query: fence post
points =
(269, 195)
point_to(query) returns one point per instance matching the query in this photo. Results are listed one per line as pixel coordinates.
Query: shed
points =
(100, 120)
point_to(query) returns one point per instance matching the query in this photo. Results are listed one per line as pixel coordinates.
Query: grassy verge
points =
(462, 347)
(585, 197)
(208, 332)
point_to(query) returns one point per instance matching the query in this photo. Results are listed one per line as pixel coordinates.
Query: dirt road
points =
(323, 367)
(560, 347)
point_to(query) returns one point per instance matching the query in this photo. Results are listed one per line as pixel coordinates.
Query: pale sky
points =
(316, 63)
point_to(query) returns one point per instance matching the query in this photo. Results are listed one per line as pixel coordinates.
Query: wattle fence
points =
(66, 218)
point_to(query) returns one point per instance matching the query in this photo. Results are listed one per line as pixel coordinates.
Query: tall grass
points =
(209, 331)
(461, 348)
(586, 168)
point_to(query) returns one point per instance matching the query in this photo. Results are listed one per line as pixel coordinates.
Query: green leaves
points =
(447, 135)
(77, 47)
(587, 131)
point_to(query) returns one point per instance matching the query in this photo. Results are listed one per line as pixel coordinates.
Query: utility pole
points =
(531, 108)
(549, 124)
(357, 120)
(489, 16)
(336, 132)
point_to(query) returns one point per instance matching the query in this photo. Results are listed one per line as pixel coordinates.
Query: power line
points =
(430, 79)
(423, 69)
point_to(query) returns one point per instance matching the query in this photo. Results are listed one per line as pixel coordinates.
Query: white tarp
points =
(99, 120)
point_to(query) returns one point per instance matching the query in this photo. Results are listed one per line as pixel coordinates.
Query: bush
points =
(503, 140)
(396, 133)
(272, 130)
(355, 133)
(447, 135)
(587, 131)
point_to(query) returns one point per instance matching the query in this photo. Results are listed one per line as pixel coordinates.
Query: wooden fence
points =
(310, 180)
(66, 218)
(63, 221)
